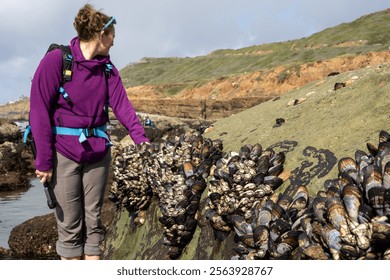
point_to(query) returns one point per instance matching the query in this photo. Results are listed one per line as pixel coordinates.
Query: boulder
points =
(9, 132)
(34, 239)
(15, 158)
(15, 166)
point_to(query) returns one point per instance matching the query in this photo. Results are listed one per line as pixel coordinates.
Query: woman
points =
(73, 148)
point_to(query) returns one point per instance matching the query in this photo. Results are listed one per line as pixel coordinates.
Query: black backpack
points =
(67, 67)
(67, 71)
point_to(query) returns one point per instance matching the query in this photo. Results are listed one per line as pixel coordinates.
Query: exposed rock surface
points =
(15, 162)
(34, 239)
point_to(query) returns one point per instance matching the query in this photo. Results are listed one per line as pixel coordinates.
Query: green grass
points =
(373, 30)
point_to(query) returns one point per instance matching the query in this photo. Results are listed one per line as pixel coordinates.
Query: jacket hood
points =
(78, 56)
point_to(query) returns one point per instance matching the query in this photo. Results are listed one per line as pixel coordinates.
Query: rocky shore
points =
(36, 237)
(15, 160)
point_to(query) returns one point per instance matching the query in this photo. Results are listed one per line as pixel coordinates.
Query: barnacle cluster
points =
(348, 219)
(174, 172)
(131, 188)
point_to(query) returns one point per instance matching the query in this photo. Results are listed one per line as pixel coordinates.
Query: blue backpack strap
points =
(64, 94)
(83, 133)
(26, 133)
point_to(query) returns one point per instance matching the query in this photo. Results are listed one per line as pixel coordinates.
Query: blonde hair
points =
(89, 21)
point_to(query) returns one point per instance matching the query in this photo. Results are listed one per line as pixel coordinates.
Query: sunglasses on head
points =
(111, 21)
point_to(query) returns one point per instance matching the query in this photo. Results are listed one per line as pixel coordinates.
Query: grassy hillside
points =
(368, 33)
(325, 127)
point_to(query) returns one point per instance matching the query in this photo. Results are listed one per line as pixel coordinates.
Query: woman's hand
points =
(45, 176)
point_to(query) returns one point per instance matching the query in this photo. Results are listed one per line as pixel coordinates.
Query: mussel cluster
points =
(239, 182)
(269, 232)
(347, 220)
(354, 210)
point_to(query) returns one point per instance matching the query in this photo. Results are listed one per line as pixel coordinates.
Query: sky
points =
(161, 28)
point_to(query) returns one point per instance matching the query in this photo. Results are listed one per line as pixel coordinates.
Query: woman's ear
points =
(101, 34)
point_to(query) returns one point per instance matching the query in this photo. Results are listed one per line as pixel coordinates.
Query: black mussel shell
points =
(191, 224)
(215, 197)
(277, 212)
(199, 186)
(278, 227)
(245, 151)
(386, 202)
(366, 213)
(273, 181)
(256, 151)
(167, 221)
(278, 158)
(284, 201)
(376, 198)
(232, 168)
(319, 208)
(275, 170)
(260, 235)
(348, 252)
(372, 149)
(180, 219)
(263, 164)
(258, 179)
(191, 209)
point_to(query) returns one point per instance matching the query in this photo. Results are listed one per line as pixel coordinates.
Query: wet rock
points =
(333, 73)
(9, 132)
(279, 122)
(35, 238)
(296, 101)
(339, 85)
(15, 159)
(5, 254)
(15, 167)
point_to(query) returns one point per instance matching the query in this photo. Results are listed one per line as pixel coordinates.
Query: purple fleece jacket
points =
(88, 93)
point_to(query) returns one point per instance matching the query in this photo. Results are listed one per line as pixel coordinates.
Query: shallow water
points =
(17, 207)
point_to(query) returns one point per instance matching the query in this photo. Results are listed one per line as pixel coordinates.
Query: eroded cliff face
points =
(229, 95)
(226, 96)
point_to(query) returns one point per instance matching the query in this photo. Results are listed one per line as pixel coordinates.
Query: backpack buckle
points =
(90, 132)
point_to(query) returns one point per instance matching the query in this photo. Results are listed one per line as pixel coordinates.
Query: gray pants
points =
(79, 190)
